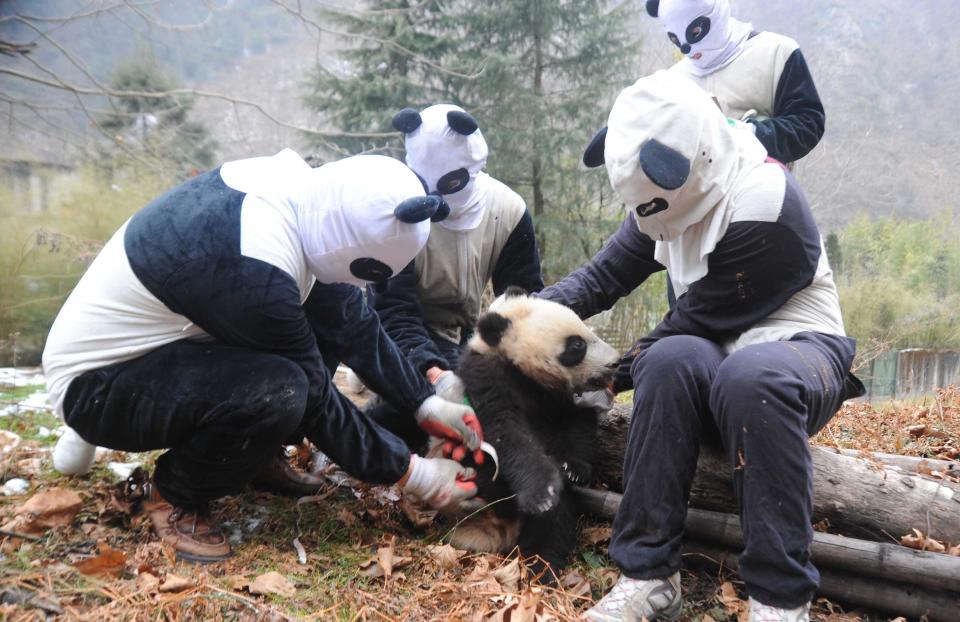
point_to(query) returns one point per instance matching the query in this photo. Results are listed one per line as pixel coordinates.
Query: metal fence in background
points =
(910, 373)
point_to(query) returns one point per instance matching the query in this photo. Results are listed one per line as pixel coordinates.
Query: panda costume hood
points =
(446, 149)
(678, 163)
(359, 219)
(703, 30)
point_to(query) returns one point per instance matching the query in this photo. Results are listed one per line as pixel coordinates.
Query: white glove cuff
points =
(423, 472)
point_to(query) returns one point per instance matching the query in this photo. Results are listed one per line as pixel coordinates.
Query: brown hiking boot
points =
(191, 533)
(280, 476)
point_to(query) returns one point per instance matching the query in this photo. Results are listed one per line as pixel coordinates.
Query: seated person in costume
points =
(753, 355)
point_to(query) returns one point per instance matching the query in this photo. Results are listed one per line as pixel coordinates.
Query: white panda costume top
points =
(732, 228)
(264, 253)
(431, 306)
(760, 77)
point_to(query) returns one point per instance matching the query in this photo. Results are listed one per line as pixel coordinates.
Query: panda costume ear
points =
(406, 120)
(653, 8)
(491, 327)
(461, 122)
(418, 209)
(593, 154)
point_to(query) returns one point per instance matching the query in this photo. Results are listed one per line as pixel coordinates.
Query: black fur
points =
(491, 327)
(543, 440)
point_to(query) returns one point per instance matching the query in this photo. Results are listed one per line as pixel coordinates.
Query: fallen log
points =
(857, 497)
(890, 562)
(910, 464)
(896, 598)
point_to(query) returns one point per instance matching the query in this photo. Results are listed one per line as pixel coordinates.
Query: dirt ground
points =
(363, 557)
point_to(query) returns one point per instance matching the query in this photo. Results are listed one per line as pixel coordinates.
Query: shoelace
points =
(620, 594)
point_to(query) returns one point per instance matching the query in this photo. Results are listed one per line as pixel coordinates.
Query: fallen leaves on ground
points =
(917, 540)
(272, 583)
(54, 507)
(732, 603)
(108, 563)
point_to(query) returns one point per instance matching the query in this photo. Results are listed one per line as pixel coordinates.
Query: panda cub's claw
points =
(542, 499)
(576, 472)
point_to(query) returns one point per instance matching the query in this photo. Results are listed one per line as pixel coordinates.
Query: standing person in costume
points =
(430, 307)
(753, 355)
(760, 78)
(203, 325)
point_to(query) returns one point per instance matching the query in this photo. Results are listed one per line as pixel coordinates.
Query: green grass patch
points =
(10, 393)
(27, 424)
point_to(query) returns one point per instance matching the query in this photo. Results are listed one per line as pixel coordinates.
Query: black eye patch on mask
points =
(665, 166)
(454, 181)
(684, 48)
(370, 269)
(653, 207)
(698, 29)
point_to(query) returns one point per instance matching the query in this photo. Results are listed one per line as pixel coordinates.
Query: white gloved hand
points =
(452, 422)
(450, 387)
(73, 455)
(443, 484)
(601, 400)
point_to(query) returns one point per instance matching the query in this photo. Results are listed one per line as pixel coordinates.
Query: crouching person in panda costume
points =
(204, 324)
(430, 308)
(753, 354)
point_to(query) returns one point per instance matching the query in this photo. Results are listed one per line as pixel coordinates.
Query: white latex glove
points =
(73, 455)
(449, 386)
(452, 422)
(601, 400)
(443, 484)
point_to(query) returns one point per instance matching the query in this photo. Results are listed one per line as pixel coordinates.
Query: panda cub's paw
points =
(542, 498)
(576, 471)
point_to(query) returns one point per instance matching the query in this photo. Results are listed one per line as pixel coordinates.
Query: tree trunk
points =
(890, 562)
(855, 496)
(896, 598)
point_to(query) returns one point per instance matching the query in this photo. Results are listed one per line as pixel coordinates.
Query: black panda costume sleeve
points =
(622, 264)
(798, 120)
(398, 304)
(519, 262)
(340, 317)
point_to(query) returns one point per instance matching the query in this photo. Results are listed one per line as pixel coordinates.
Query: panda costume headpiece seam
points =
(446, 149)
(703, 30)
(677, 162)
(359, 219)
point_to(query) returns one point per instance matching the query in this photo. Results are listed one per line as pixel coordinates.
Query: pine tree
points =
(538, 75)
(158, 125)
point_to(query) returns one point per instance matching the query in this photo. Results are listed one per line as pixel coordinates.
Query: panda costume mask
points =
(359, 219)
(703, 30)
(446, 149)
(675, 160)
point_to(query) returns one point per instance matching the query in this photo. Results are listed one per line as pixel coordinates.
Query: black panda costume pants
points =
(762, 403)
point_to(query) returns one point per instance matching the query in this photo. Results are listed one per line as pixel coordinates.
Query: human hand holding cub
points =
(443, 484)
(446, 416)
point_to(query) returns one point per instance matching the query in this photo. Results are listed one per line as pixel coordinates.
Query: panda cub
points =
(520, 371)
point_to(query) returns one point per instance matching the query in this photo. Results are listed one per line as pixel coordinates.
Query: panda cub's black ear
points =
(491, 326)
(514, 291)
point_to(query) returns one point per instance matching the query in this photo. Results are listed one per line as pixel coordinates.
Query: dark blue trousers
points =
(221, 412)
(762, 403)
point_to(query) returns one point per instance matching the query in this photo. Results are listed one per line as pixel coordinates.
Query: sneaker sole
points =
(670, 615)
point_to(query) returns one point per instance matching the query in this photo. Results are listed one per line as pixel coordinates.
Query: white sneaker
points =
(632, 600)
(765, 613)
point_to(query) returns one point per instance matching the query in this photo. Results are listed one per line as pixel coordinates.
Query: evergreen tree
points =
(538, 75)
(158, 125)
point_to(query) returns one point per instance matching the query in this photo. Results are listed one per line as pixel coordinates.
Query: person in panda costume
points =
(760, 78)
(209, 323)
(753, 354)
(430, 308)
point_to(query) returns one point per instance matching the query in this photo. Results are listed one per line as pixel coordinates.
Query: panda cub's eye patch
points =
(574, 351)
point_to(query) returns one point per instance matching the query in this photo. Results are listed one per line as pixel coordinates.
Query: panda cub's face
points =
(546, 341)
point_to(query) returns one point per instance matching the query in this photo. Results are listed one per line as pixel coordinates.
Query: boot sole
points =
(203, 559)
